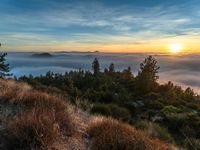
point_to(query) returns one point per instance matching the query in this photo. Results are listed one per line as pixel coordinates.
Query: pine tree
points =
(96, 66)
(147, 75)
(4, 68)
(112, 68)
(127, 73)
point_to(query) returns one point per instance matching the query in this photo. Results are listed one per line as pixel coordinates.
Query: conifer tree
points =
(147, 75)
(4, 68)
(96, 66)
(128, 73)
(112, 68)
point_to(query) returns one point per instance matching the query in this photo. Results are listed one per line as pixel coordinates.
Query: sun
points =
(176, 48)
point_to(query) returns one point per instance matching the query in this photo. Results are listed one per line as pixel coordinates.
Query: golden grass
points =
(34, 129)
(44, 119)
(109, 134)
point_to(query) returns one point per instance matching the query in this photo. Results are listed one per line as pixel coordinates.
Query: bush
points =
(131, 108)
(167, 110)
(192, 144)
(160, 132)
(155, 105)
(112, 110)
(102, 109)
(155, 130)
(109, 134)
(142, 125)
(120, 113)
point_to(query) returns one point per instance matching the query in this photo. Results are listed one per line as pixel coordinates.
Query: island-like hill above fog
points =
(41, 55)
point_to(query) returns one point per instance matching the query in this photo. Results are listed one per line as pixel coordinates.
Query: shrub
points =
(192, 144)
(112, 110)
(109, 134)
(142, 125)
(131, 108)
(160, 132)
(156, 105)
(101, 109)
(170, 109)
(155, 130)
(120, 113)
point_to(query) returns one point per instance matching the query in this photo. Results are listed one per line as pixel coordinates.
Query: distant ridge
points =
(42, 55)
(78, 52)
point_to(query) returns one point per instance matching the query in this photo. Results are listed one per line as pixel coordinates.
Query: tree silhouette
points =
(112, 68)
(96, 66)
(4, 68)
(147, 75)
(127, 73)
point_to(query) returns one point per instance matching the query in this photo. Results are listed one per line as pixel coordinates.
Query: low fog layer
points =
(182, 70)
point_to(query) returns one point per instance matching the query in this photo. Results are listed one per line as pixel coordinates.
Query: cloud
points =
(59, 22)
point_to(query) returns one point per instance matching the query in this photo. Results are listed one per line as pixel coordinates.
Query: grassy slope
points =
(31, 119)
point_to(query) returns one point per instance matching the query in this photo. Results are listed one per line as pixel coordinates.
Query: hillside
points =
(31, 119)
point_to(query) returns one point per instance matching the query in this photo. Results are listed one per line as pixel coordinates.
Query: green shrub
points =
(155, 130)
(102, 109)
(192, 144)
(119, 112)
(170, 109)
(160, 132)
(131, 108)
(112, 110)
(156, 105)
(142, 125)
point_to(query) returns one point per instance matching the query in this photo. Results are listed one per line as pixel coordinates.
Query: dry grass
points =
(109, 134)
(44, 120)
(34, 129)
(11, 91)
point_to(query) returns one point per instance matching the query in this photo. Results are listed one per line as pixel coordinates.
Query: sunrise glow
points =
(176, 48)
(105, 26)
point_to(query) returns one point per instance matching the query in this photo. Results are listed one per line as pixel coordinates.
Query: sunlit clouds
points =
(99, 25)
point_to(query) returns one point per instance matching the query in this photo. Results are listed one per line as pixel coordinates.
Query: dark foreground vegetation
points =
(163, 111)
(34, 120)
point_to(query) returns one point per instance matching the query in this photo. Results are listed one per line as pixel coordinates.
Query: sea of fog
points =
(182, 70)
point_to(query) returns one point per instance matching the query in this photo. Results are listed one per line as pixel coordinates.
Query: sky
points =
(103, 25)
